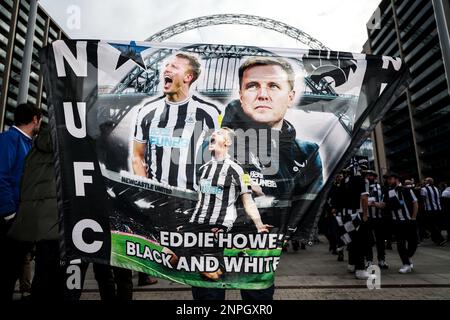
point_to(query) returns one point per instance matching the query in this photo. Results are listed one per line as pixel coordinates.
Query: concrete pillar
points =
(27, 54)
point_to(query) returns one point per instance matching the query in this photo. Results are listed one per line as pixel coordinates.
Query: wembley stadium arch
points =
(216, 57)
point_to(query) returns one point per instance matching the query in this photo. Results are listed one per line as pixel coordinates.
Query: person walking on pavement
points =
(37, 222)
(376, 221)
(446, 208)
(402, 204)
(433, 211)
(352, 216)
(334, 197)
(14, 147)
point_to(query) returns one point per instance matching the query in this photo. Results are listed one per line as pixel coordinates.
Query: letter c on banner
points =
(77, 236)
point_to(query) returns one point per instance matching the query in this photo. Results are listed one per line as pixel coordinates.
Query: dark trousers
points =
(422, 225)
(51, 276)
(332, 231)
(219, 294)
(13, 255)
(433, 222)
(406, 232)
(377, 230)
(358, 247)
(113, 283)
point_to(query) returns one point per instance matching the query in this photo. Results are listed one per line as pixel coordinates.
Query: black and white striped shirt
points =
(399, 202)
(221, 184)
(375, 195)
(174, 134)
(430, 195)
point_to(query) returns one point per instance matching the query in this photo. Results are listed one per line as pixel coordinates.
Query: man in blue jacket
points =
(14, 147)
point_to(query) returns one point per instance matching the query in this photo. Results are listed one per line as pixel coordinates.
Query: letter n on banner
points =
(85, 224)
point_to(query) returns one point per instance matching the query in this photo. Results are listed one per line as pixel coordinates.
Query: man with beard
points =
(14, 147)
(286, 172)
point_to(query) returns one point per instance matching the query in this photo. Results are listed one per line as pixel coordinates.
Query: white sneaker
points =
(350, 268)
(405, 269)
(362, 274)
(411, 263)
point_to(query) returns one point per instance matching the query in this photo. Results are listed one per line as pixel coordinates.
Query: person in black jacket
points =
(286, 173)
(37, 222)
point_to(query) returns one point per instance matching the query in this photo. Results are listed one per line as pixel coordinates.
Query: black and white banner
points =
(195, 162)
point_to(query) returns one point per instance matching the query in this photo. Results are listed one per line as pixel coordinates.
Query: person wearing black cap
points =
(376, 221)
(401, 203)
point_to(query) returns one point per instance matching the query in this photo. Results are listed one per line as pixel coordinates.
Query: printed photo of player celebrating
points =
(222, 183)
(170, 130)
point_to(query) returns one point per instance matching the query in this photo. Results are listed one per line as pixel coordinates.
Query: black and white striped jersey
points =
(174, 134)
(375, 195)
(399, 202)
(430, 194)
(220, 185)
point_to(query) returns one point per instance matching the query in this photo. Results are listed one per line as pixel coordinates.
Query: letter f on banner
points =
(80, 178)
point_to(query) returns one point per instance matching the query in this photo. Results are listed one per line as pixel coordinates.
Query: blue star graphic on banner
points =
(129, 51)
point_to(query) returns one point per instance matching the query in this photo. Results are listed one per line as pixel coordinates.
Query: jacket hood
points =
(43, 141)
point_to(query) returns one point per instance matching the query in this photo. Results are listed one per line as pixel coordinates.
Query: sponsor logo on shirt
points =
(161, 137)
(206, 187)
(259, 179)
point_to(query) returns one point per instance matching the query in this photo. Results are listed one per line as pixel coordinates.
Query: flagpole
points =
(441, 12)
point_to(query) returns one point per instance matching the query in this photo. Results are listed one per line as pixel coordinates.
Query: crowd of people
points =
(29, 222)
(361, 213)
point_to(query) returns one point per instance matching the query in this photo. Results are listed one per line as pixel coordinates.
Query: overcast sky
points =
(339, 24)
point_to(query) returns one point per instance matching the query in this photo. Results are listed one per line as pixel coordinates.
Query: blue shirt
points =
(14, 147)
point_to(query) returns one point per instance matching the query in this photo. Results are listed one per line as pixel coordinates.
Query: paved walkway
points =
(316, 274)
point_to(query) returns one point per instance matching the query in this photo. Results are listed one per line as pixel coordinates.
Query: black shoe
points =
(295, 245)
(340, 256)
(303, 246)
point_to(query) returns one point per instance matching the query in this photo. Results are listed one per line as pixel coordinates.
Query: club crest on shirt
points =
(190, 118)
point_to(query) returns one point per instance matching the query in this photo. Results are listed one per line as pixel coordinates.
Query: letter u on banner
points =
(70, 120)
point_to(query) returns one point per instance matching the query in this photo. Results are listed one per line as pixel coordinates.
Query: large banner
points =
(194, 163)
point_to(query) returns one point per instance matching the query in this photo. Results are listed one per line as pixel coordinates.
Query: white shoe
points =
(350, 268)
(405, 269)
(411, 263)
(362, 274)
